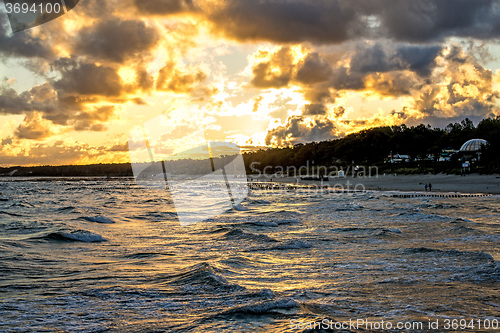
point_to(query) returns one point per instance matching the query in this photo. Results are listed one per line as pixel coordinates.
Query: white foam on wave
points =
(274, 223)
(292, 245)
(99, 219)
(83, 236)
(265, 223)
(240, 208)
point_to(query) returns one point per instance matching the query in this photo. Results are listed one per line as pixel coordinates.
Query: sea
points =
(97, 255)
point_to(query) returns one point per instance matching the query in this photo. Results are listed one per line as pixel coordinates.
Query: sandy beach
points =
(440, 183)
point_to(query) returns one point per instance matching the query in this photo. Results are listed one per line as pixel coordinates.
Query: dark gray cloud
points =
(392, 69)
(92, 120)
(43, 107)
(300, 130)
(116, 40)
(393, 84)
(384, 57)
(164, 7)
(463, 88)
(426, 20)
(33, 128)
(80, 78)
(265, 77)
(13, 103)
(120, 147)
(38, 98)
(21, 44)
(314, 69)
(287, 21)
(335, 21)
(314, 110)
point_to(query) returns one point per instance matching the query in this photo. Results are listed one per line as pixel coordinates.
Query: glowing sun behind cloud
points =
(267, 73)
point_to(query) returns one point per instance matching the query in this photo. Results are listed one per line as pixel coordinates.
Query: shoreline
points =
(470, 184)
(441, 183)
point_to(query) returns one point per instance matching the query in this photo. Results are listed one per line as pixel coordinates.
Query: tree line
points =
(373, 146)
(369, 147)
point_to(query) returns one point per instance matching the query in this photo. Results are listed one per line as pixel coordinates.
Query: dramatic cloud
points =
(287, 21)
(276, 72)
(93, 120)
(464, 87)
(39, 98)
(116, 40)
(33, 127)
(299, 129)
(171, 78)
(22, 44)
(378, 57)
(314, 69)
(392, 69)
(58, 153)
(88, 79)
(336, 21)
(429, 20)
(307, 70)
(314, 109)
(44, 109)
(162, 7)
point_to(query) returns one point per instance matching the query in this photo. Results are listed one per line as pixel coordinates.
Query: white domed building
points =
(471, 150)
(473, 145)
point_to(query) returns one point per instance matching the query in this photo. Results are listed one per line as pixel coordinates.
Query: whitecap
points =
(99, 219)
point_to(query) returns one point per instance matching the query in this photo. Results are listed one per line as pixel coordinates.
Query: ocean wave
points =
(272, 212)
(238, 234)
(73, 236)
(483, 274)
(349, 207)
(63, 209)
(144, 255)
(477, 255)
(259, 202)
(260, 308)
(376, 231)
(264, 223)
(263, 293)
(481, 238)
(240, 208)
(460, 219)
(200, 276)
(430, 204)
(291, 245)
(10, 214)
(216, 231)
(274, 223)
(157, 216)
(98, 219)
(22, 204)
(462, 229)
(239, 262)
(416, 216)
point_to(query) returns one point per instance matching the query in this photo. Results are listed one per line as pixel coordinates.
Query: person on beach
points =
(430, 187)
(425, 187)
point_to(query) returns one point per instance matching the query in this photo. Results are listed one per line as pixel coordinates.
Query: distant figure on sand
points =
(430, 187)
(425, 187)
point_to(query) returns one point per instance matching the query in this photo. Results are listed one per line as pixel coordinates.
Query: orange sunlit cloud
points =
(272, 73)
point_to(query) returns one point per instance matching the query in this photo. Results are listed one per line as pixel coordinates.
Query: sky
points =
(258, 73)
